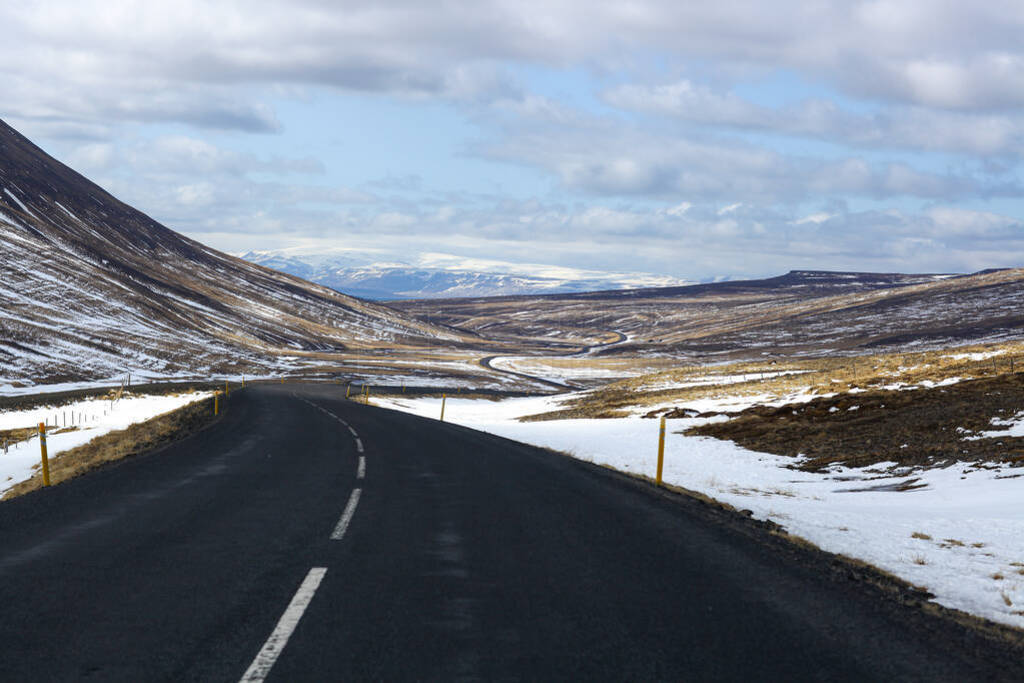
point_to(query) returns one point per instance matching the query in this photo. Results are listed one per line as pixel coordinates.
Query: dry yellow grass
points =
(136, 439)
(831, 375)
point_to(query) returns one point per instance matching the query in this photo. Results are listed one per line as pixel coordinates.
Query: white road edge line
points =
(260, 667)
(359, 445)
(361, 472)
(354, 432)
(346, 516)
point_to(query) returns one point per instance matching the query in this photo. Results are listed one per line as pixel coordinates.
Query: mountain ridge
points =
(93, 286)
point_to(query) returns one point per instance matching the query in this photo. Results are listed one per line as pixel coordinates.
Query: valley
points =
(841, 410)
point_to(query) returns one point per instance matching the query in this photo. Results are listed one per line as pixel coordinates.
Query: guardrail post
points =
(661, 448)
(444, 398)
(42, 448)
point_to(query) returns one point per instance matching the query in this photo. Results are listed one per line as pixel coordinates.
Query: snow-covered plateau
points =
(958, 531)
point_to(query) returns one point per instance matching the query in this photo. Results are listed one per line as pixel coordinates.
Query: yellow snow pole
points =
(661, 448)
(42, 448)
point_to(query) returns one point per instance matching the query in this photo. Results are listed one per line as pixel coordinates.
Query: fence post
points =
(661, 448)
(444, 398)
(42, 448)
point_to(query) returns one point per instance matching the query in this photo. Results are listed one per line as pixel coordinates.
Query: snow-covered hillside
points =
(91, 288)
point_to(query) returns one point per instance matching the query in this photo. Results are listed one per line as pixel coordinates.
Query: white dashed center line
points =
(361, 472)
(346, 516)
(359, 443)
(260, 667)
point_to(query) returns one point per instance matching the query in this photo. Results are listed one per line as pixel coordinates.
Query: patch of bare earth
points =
(922, 427)
(135, 440)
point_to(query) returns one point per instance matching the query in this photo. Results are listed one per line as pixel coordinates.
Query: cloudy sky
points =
(692, 139)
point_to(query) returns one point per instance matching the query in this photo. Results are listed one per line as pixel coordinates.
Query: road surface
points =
(487, 362)
(308, 538)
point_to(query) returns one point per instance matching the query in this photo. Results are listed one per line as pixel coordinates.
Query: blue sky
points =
(694, 140)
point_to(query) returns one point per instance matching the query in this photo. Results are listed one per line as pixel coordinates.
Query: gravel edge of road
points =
(891, 590)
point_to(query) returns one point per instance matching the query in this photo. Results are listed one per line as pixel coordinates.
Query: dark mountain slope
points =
(90, 288)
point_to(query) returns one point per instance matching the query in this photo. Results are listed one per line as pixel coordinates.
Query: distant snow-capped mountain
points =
(441, 276)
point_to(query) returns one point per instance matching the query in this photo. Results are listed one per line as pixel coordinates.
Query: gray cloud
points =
(699, 242)
(945, 54)
(603, 157)
(699, 238)
(980, 133)
(943, 75)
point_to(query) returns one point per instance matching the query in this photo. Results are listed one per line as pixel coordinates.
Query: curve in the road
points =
(487, 362)
(469, 556)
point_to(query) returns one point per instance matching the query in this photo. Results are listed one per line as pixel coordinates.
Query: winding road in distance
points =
(487, 362)
(303, 537)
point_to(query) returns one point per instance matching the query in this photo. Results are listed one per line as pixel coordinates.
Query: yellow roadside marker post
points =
(661, 448)
(443, 399)
(216, 405)
(348, 390)
(243, 381)
(42, 448)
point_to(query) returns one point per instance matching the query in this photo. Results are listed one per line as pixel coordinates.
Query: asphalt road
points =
(487, 362)
(463, 556)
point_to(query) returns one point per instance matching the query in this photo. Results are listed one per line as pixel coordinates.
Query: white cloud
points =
(927, 76)
(912, 127)
(165, 60)
(816, 218)
(614, 158)
(700, 244)
(679, 210)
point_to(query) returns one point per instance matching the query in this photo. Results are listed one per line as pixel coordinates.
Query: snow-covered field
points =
(93, 417)
(581, 370)
(960, 534)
